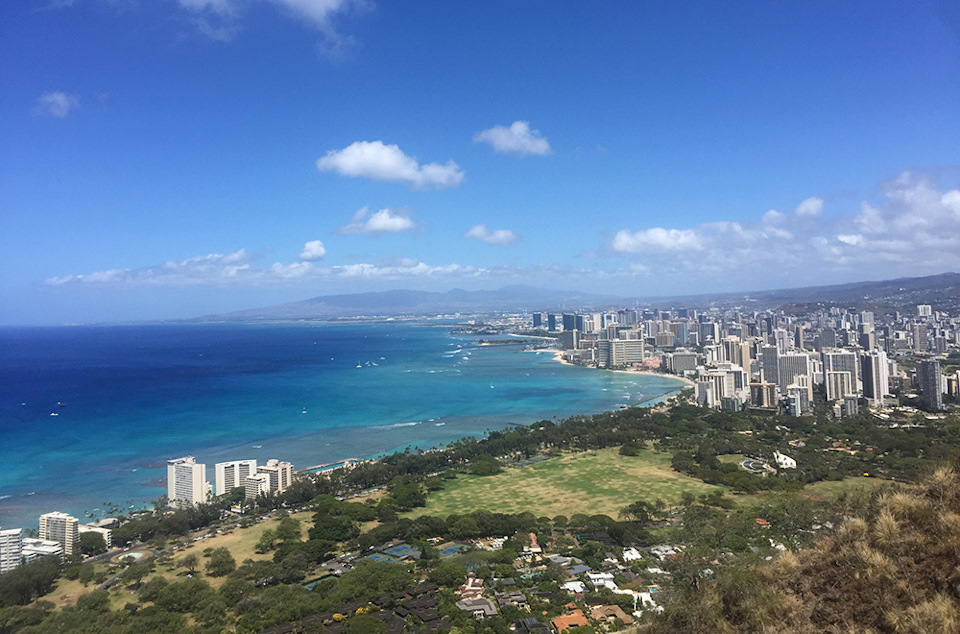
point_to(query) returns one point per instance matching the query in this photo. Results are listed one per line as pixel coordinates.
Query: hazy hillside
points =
(942, 291)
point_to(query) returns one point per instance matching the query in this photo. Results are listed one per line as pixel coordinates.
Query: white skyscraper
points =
(875, 373)
(186, 482)
(280, 473)
(230, 475)
(61, 528)
(255, 485)
(11, 545)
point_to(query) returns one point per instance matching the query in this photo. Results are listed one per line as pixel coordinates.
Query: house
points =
(534, 547)
(472, 587)
(574, 587)
(783, 461)
(531, 625)
(610, 614)
(515, 598)
(578, 569)
(601, 580)
(574, 619)
(479, 607)
(665, 551)
(631, 554)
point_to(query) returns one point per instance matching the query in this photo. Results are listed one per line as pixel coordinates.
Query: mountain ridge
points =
(942, 290)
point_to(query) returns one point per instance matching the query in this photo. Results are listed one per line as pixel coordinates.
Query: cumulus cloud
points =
(499, 237)
(56, 104)
(377, 161)
(657, 239)
(312, 251)
(912, 229)
(517, 139)
(384, 221)
(810, 208)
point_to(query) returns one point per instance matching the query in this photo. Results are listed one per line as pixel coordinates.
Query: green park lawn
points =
(593, 482)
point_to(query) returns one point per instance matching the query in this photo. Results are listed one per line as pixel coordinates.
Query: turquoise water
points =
(132, 397)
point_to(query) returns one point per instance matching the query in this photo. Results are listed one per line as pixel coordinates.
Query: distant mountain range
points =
(941, 291)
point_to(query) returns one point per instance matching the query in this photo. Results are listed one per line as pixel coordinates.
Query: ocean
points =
(90, 415)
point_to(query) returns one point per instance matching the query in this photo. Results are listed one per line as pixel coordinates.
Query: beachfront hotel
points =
(230, 475)
(187, 482)
(280, 473)
(11, 545)
(61, 528)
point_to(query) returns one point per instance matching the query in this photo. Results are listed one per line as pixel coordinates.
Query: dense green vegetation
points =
(718, 583)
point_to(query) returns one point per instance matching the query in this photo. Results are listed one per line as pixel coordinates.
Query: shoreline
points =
(558, 356)
(298, 419)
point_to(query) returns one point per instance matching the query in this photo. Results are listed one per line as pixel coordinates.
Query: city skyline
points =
(168, 160)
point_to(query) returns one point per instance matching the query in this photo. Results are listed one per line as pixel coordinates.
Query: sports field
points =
(593, 482)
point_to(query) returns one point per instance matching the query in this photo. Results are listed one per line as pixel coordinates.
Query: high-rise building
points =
(924, 310)
(187, 482)
(280, 474)
(841, 361)
(569, 321)
(615, 353)
(792, 366)
(256, 485)
(230, 475)
(61, 528)
(763, 394)
(921, 342)
(931, 385)
(874, 370)
(551, 322)
(537, 320)
(838, 384)
(828, 338)
(770, 357)
(11, 546)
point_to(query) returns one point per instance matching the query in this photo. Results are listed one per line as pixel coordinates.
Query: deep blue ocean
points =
(128, 398)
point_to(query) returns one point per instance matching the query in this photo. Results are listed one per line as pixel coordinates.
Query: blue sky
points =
(168, 158)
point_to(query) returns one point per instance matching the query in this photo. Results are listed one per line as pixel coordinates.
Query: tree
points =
(638, 512)
(190, 562)
(484, 465)
(221, 563)
(288, 529)
(135, 573)
(92, 543)
(365, 624)
(448, 574)
(267, 540)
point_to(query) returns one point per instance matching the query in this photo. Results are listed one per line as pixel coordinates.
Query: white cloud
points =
(913, 229)
(377, 161)
(656, 239)
(56, 104)
(499, 237)
(238, 269)
(220, 19)
(384, 221)
(951, 200)
(312, 251)
(518, 139)
(810, 208)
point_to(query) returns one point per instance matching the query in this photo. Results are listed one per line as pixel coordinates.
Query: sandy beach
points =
(558, 356)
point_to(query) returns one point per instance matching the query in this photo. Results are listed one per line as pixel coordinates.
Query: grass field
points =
(594, 482)
(831, 490)
(241, 543)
